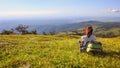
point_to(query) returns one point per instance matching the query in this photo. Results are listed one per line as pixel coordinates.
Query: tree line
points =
(20, 29)
(23, 29)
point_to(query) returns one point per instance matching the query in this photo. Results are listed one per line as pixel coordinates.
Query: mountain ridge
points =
(65, 27)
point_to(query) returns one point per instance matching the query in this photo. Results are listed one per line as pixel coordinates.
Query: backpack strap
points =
(86, 43)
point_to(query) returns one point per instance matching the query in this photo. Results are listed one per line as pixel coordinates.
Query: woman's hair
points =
(88, 31)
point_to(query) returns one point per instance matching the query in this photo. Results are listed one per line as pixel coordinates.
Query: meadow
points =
(57, 51)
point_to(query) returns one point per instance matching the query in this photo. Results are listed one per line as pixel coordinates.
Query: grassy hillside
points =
(38, 51)
(106, 28)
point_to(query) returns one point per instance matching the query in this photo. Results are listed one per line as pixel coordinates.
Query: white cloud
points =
(48, 13)
(114, 10)
(27, 13)
(42, 13)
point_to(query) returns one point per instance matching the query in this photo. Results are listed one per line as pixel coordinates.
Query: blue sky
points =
(58, 8)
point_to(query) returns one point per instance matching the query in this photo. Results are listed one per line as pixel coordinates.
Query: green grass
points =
(38, 51)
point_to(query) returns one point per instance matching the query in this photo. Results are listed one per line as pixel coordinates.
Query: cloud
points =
(42, 13)
(114, 10)
(28, 13)
(47, 13)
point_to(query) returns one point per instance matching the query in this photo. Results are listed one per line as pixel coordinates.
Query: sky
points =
(10, 9)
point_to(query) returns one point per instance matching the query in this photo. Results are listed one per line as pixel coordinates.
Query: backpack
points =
(94, 46)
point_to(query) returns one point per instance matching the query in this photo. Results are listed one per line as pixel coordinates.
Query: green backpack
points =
(96, 46)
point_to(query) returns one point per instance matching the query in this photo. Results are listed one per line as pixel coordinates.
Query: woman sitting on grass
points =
(87, 38)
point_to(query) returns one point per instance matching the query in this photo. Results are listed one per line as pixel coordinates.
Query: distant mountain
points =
(64, 25)
(8, 24)
(42, 25)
